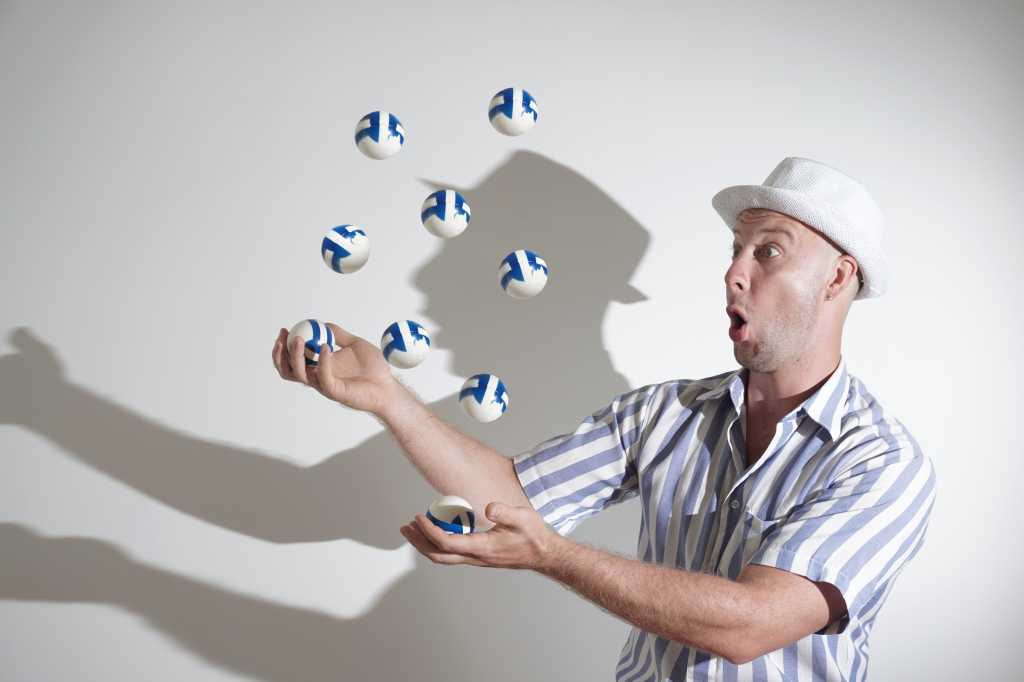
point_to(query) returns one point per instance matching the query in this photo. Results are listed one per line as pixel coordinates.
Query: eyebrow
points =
(780, 230)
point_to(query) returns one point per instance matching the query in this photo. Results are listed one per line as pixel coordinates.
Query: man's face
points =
(777, 278)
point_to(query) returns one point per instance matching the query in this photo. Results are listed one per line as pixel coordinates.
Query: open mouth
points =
(737, 325)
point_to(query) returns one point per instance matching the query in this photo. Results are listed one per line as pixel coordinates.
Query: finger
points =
(495, 512)
(313, 376)
(453, 543)
(275, 354)
(341, 337)
(320, 369)
(298, 359)
(506, 515)
(325, 352)
(428, 549)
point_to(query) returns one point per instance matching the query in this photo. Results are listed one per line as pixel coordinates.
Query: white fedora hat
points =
(825, 199)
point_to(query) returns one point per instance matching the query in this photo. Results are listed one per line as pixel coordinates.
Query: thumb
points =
(501, 513)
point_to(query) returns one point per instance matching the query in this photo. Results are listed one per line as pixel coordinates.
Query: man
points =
(779, 501)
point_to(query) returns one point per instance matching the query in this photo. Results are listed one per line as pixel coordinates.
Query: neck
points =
(775, 394)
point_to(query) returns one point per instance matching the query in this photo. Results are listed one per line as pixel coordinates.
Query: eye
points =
(735, 248)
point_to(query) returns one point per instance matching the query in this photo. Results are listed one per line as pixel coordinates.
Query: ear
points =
(843, 274)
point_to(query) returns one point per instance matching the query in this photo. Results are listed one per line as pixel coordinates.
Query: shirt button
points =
(735, 504)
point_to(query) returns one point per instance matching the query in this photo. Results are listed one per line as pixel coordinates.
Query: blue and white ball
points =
(379, 135)
(513, 111)
(345, 248)
(452, 514)
(483, 397)
(445, 213)
(523, 274)
(405, 344)
(314, 334)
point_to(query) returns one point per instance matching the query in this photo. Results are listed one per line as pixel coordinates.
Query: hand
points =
(31, 378)
(357, 375)
(519, 539)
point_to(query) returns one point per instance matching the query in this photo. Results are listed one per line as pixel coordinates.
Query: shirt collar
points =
(826, 406)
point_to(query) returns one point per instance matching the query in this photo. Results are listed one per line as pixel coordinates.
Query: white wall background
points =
(169, 169)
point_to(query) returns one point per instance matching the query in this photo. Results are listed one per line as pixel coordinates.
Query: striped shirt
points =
(842, 494)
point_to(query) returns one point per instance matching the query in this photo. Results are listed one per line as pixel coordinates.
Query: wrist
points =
(395, 403)
(559, 552)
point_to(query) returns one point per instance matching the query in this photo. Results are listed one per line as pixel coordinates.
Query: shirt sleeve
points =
(860, 531)
(577, 474)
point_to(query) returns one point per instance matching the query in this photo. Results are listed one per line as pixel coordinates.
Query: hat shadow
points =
(448, 622)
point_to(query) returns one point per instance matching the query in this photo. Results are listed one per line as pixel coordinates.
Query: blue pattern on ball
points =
(337, 251)
(456, 525)
(398, 341)
(438, 210)
(479, 392)
(374, 131)
(517, 272)
(319, 339)
(507, 102)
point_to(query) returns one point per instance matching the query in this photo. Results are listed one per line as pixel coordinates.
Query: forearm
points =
(452, 462)
(701, 610)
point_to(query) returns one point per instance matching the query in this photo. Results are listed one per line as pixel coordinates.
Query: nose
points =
(737, 278)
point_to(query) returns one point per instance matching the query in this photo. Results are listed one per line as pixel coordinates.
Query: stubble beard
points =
(782, 340)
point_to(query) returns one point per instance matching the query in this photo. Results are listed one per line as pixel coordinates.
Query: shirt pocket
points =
(748, 533)
(689, 536)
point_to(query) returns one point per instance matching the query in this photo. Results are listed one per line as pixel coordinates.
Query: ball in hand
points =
(452, 514)
(313, 334)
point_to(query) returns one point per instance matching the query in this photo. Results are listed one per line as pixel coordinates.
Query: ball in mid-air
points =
(445, 213)
(523, 274)
(484, 397)
(452, 514)
(345, 248)
(512, 111)
(379, 135)
(405, 344)
(314, 334)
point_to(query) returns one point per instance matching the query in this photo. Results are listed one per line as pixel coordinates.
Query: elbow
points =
(738, 646)
(735, 654)
(739, 658)
(743, 649)
(743, 643)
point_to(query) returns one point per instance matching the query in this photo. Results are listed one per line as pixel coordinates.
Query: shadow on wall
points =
(434, 623)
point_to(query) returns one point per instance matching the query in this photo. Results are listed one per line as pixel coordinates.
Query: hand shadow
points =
(435, 622)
